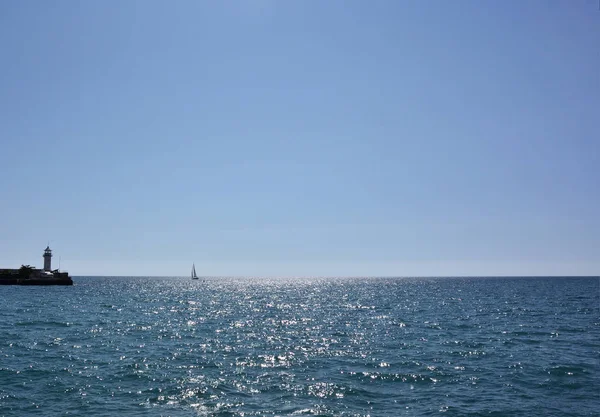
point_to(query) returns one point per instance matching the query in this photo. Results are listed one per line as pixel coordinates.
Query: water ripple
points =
(345, 347)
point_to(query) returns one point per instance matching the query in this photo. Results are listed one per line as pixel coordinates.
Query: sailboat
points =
(194, 276)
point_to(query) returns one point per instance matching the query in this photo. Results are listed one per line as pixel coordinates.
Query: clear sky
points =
(295, 138)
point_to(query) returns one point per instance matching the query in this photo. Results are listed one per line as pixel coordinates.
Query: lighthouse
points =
(48, 259)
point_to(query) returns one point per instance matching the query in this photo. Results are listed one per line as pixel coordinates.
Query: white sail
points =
(194, 276)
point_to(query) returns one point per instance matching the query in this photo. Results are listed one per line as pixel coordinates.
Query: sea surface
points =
(118, 346)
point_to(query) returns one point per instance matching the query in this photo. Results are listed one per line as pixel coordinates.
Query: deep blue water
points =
(336, 347)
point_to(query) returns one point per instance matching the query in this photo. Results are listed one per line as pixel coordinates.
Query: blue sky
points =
(295, 138)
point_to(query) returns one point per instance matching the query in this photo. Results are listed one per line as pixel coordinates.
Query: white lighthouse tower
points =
(48, 259)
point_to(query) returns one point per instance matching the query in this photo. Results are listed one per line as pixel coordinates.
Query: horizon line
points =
(340, 276)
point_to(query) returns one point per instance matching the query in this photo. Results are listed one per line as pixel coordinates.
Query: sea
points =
(147, 346)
